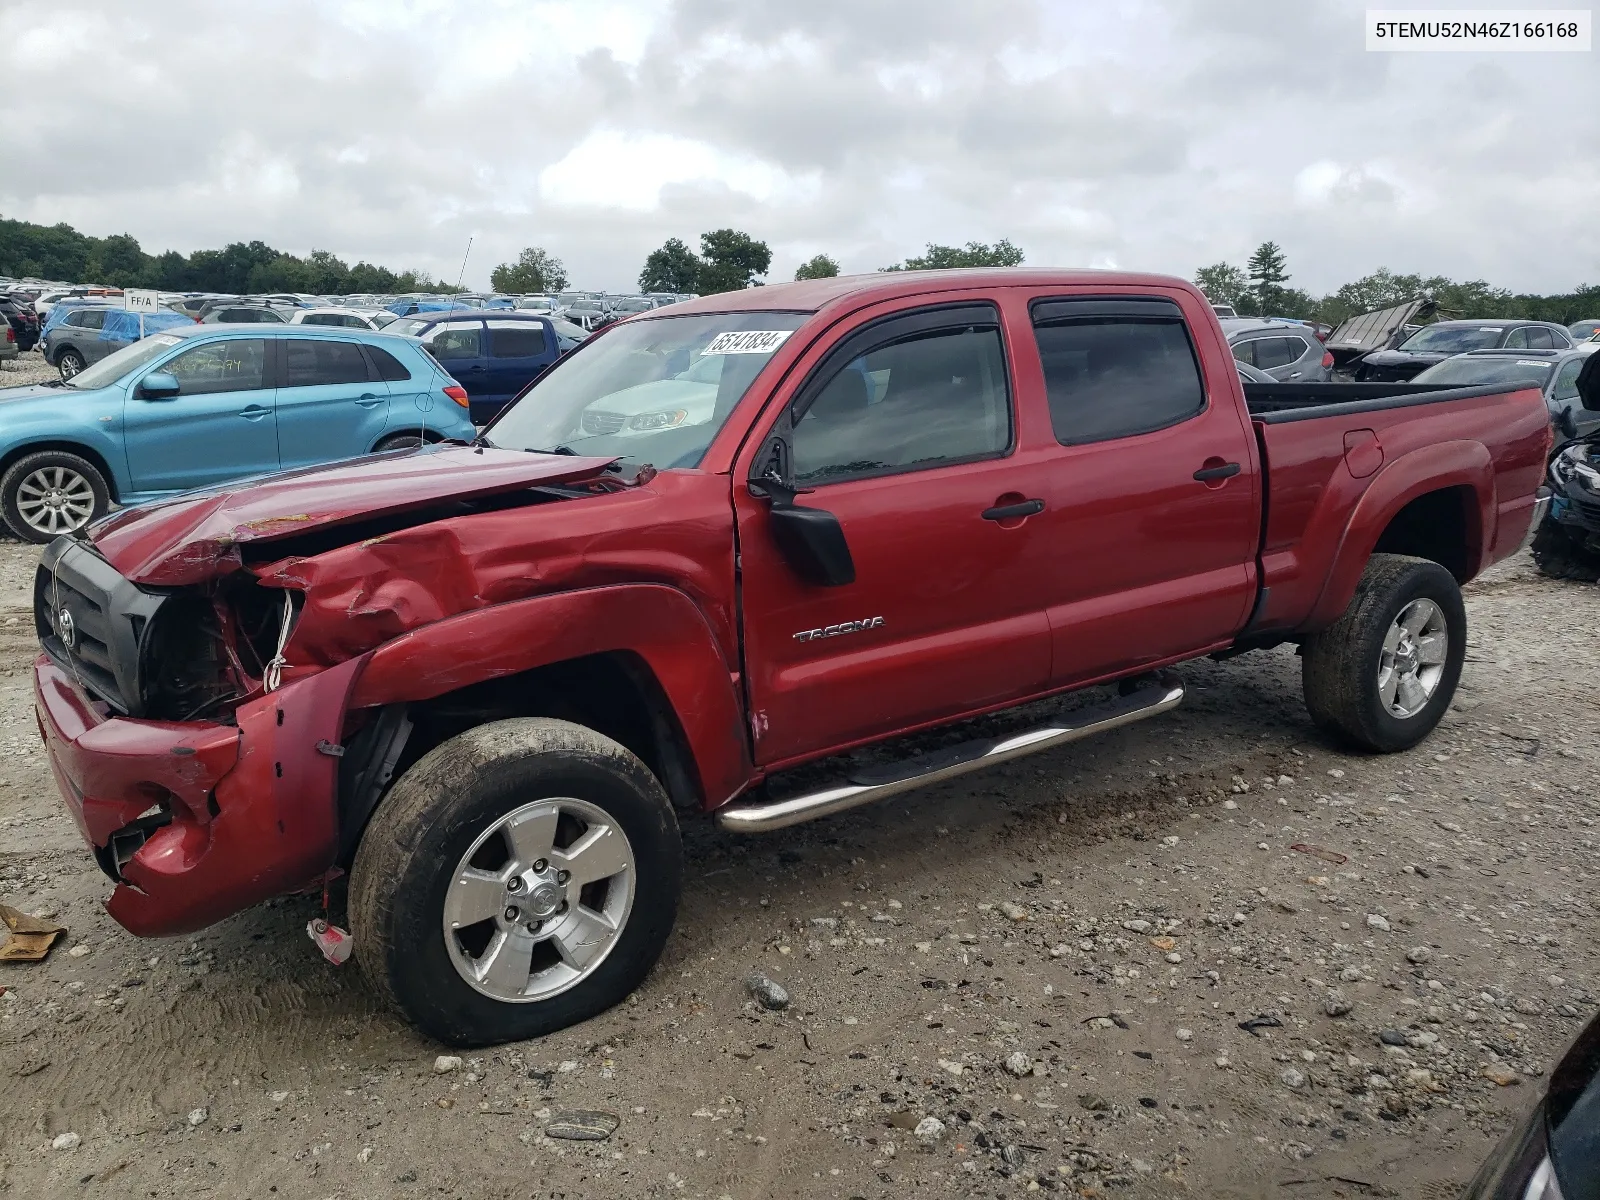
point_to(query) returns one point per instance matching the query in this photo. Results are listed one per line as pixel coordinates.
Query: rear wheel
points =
(399, 441)
(69, 362)
(1557, 555)
(519, 878)
(52, 492)
(1383, 674)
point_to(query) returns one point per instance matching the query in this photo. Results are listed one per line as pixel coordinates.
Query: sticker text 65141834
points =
(747, 341)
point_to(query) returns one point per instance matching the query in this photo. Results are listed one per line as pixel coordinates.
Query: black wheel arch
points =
(93, 457)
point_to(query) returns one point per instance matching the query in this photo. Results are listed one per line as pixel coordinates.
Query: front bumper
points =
(195, 821)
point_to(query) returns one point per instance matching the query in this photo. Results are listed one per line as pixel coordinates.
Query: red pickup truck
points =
(718, 541)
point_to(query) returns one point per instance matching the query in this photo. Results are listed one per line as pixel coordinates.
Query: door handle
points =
(1012, 512)
(470, 370)
(1225, 471)
(254, 412)
(368, 400)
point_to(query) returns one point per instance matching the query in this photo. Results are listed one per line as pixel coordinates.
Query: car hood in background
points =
(196, 536)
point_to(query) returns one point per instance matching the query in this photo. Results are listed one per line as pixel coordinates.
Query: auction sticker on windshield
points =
(748, 341)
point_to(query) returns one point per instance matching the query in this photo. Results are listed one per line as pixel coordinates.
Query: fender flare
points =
(660, 625)
(1398, 483)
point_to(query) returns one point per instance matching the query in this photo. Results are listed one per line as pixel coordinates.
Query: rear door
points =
(462, 350)
(517, 351)
(1146, 544)
(220, 426)
(905, 431)
(330, 403)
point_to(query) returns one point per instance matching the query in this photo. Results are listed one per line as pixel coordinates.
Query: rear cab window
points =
(1115, 367)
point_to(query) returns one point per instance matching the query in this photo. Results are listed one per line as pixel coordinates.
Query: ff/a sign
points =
(141, 301)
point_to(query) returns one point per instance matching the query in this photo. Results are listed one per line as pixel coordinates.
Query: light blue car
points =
(204, 404)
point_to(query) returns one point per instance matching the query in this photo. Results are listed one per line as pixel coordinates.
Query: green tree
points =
(673, 268)
(1267, 275)
(820, 267)
(731, 261)
(974, 254)
(1223, 283)
(536, 270)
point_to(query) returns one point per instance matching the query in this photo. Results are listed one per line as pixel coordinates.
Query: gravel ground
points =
(26, 368)
(1039, 978)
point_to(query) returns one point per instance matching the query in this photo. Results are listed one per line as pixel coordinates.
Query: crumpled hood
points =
(197, 535)
(1394, 358)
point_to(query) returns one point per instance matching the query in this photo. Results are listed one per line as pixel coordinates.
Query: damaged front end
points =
(183, 772)
(200, 766)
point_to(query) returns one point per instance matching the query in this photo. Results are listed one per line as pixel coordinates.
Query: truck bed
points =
(1277, 402)
(1463, 462)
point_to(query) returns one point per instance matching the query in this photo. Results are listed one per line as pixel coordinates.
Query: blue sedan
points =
(202, 405)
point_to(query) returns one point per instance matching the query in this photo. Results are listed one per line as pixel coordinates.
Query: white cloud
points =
(1159, 134)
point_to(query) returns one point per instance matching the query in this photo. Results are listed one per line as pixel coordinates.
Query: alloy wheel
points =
(1413, 658)
(55, 500)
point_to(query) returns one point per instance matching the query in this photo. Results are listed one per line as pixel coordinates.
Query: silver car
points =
(1555, 372)
(1286, 350)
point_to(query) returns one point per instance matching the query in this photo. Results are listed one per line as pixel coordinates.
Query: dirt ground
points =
(1052, 959)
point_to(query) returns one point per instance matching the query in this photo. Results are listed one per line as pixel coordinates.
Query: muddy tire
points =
(1555, 554)
(47, 494)
(519, 878)
(1382, 676)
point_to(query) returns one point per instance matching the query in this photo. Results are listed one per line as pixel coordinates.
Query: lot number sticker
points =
(751, 341)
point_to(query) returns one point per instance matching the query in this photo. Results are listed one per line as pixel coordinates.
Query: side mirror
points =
(811, 540)
(159, 385)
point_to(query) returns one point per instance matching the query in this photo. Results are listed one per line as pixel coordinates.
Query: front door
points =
(328, 407)
(1152, 514)
(904, 431)
(220, 426)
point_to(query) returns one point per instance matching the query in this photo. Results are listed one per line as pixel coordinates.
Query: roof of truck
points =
(811, 295)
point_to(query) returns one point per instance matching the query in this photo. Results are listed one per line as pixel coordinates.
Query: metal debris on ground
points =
(1260, 1022)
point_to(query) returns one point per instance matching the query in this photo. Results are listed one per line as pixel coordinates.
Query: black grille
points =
(603, 422)
(91, 622)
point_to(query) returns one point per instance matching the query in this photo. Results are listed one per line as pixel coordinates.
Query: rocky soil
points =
(26, 368)
(1207, 955)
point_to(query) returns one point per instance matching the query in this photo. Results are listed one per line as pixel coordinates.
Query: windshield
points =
(1467, 371)
(651, 391)
(1453, 339)
(568, 330)
(410, 326)
(114, 366)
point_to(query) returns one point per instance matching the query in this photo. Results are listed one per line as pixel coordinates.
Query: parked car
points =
(1287, 351)
(1567, 544)
(1437, 342)
(1582, 331)
(1554, 1151)
(493, 354)
(1554, 372)
(200, 405)
(8, 344)
(22, 320)
(344, 318)
(614, 609)
(248, 310)
(86, 333)
(1225, 311)
(194, 306)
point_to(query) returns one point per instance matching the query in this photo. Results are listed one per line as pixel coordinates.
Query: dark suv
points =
(22, 321)
(1437, 342)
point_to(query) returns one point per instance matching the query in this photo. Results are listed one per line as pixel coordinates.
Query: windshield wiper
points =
(556, 450)
(482, 440)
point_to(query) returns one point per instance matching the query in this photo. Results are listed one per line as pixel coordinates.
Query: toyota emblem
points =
(65, 628)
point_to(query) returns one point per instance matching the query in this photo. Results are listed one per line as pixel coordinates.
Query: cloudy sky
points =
(1151, 134)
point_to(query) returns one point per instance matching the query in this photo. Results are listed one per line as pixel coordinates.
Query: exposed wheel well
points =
(1438, 526)
(614, 694)
(428, 435)
(83, 452)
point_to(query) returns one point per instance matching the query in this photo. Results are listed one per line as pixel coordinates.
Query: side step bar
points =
(875, 783)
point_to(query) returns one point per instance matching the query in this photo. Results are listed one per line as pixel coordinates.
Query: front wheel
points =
(1382, 676)
(399, 441)
(521, 877)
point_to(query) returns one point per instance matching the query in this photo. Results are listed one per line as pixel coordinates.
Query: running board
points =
(876, 783)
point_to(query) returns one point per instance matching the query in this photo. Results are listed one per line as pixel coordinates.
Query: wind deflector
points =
(1046, 312)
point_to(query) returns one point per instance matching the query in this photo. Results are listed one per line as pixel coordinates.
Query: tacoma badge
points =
(843, 627)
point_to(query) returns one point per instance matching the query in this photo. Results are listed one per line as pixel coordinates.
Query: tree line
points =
(60, 252)
(1259, 289)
